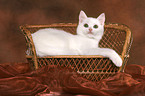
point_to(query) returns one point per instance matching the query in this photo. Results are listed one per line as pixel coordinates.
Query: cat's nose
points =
(90, 29)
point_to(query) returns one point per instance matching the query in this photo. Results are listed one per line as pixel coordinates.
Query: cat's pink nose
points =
(90, 29)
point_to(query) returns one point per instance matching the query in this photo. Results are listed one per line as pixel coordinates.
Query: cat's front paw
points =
(117, 61)
(113, 56)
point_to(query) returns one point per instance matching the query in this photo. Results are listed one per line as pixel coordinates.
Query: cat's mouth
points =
(90, 32)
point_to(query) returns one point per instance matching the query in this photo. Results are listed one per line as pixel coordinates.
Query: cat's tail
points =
(55, 51)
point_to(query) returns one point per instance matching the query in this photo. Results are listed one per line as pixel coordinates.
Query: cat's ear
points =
(82, 16)
(101, 18)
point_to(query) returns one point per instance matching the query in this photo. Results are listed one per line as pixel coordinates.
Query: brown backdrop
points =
(14, 13)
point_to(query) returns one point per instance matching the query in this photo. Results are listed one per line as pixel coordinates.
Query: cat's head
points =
(91, 27)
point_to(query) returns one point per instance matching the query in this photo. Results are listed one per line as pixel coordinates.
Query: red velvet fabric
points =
(16, 79)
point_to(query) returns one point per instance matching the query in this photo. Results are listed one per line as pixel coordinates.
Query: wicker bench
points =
(95, 68)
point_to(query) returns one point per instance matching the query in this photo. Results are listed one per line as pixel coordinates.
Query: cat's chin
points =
(90, 36)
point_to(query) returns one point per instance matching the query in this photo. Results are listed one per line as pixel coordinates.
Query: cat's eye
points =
(86, 25)
(95, 26)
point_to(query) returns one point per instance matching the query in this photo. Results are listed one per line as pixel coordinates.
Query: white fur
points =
(52, 41)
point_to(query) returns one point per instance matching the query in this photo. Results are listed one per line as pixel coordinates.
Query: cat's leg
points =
(111, 54)
(106, 52)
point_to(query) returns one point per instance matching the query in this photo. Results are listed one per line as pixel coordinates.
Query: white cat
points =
(90, 30)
